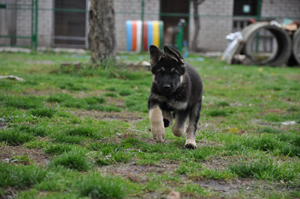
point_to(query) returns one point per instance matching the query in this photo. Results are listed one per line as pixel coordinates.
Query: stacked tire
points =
(286, 47)
(295, 56)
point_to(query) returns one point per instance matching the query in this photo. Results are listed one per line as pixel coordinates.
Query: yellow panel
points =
(156, 33)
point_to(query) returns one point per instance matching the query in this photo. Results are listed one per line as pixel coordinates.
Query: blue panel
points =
(150, 33)
(129, 35)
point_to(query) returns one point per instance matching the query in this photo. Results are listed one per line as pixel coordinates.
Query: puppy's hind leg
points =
(180, 122)
(194, 116)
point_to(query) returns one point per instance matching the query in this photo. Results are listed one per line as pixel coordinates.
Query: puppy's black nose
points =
(166, 86)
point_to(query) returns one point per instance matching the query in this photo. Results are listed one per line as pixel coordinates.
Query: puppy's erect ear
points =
(155, 55)
(174, 54)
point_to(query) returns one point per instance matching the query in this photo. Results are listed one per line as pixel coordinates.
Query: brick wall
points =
(23, 23)
(215, 24)
(45, 23)
(7, 23)
(45, 19)
(278, 9)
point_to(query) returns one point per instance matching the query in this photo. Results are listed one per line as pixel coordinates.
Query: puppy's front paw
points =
(190, 144)
(157, 124)
(158, 131)
(159, 137)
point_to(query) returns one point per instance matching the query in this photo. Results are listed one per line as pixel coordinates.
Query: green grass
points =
(286, 144)
(85, 133)
(43, 112)
(14, 137)
(24, 102)
(265, 169)
(58, 149)
(217, 113)
(74, 160)
(95, 186)
(59, 97)
(114, 95)
(222, 103)
(20, 176)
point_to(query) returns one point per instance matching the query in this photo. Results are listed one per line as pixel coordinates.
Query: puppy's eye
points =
(160, 73)
(175, 74)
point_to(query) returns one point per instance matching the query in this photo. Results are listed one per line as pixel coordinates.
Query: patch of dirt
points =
(203, 143)
(38, 156)
(278, 111)
(216, 163)
(248, 186)
(275, 111)
(151, 195)
(295, 76)
(135, 172)
(41, 62)
(259, 122)
(116, 102)
(224, 187)
(221, 163)
(126, 117)
(9, 193)
(149, 140)
(83, 94)
(3, 125)
(43, 92)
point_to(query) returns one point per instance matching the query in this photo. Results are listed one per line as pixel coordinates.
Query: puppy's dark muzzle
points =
(167, 89)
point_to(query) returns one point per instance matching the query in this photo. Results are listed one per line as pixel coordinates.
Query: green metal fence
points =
(9, 35)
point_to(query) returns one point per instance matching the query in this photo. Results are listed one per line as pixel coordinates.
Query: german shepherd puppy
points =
(176, 92)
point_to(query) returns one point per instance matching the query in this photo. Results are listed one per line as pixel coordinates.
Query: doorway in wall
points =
(70, 23)
(242, 9)
(171, 12)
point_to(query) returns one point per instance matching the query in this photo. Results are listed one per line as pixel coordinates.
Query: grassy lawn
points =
(85, 133)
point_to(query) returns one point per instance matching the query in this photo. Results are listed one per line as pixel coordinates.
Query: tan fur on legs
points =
(190, 137)
(178, 131)
(180, 123)
(191, 131)
(157, 124)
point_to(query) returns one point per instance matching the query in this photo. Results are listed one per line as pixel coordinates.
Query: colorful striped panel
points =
(152, 34)
(134, 35)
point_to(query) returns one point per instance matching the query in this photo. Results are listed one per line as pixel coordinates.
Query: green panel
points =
(161, 34)
(2, 6)
(179, 39)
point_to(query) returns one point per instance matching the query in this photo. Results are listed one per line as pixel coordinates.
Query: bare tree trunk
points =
(196, 3)
(102, 34)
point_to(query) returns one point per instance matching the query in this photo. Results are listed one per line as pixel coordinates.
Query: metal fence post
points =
(257, 19)
(142, 17)
(34, 23)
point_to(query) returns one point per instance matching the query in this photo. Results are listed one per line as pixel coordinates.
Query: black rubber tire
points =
(283, 40)
(296, 43)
